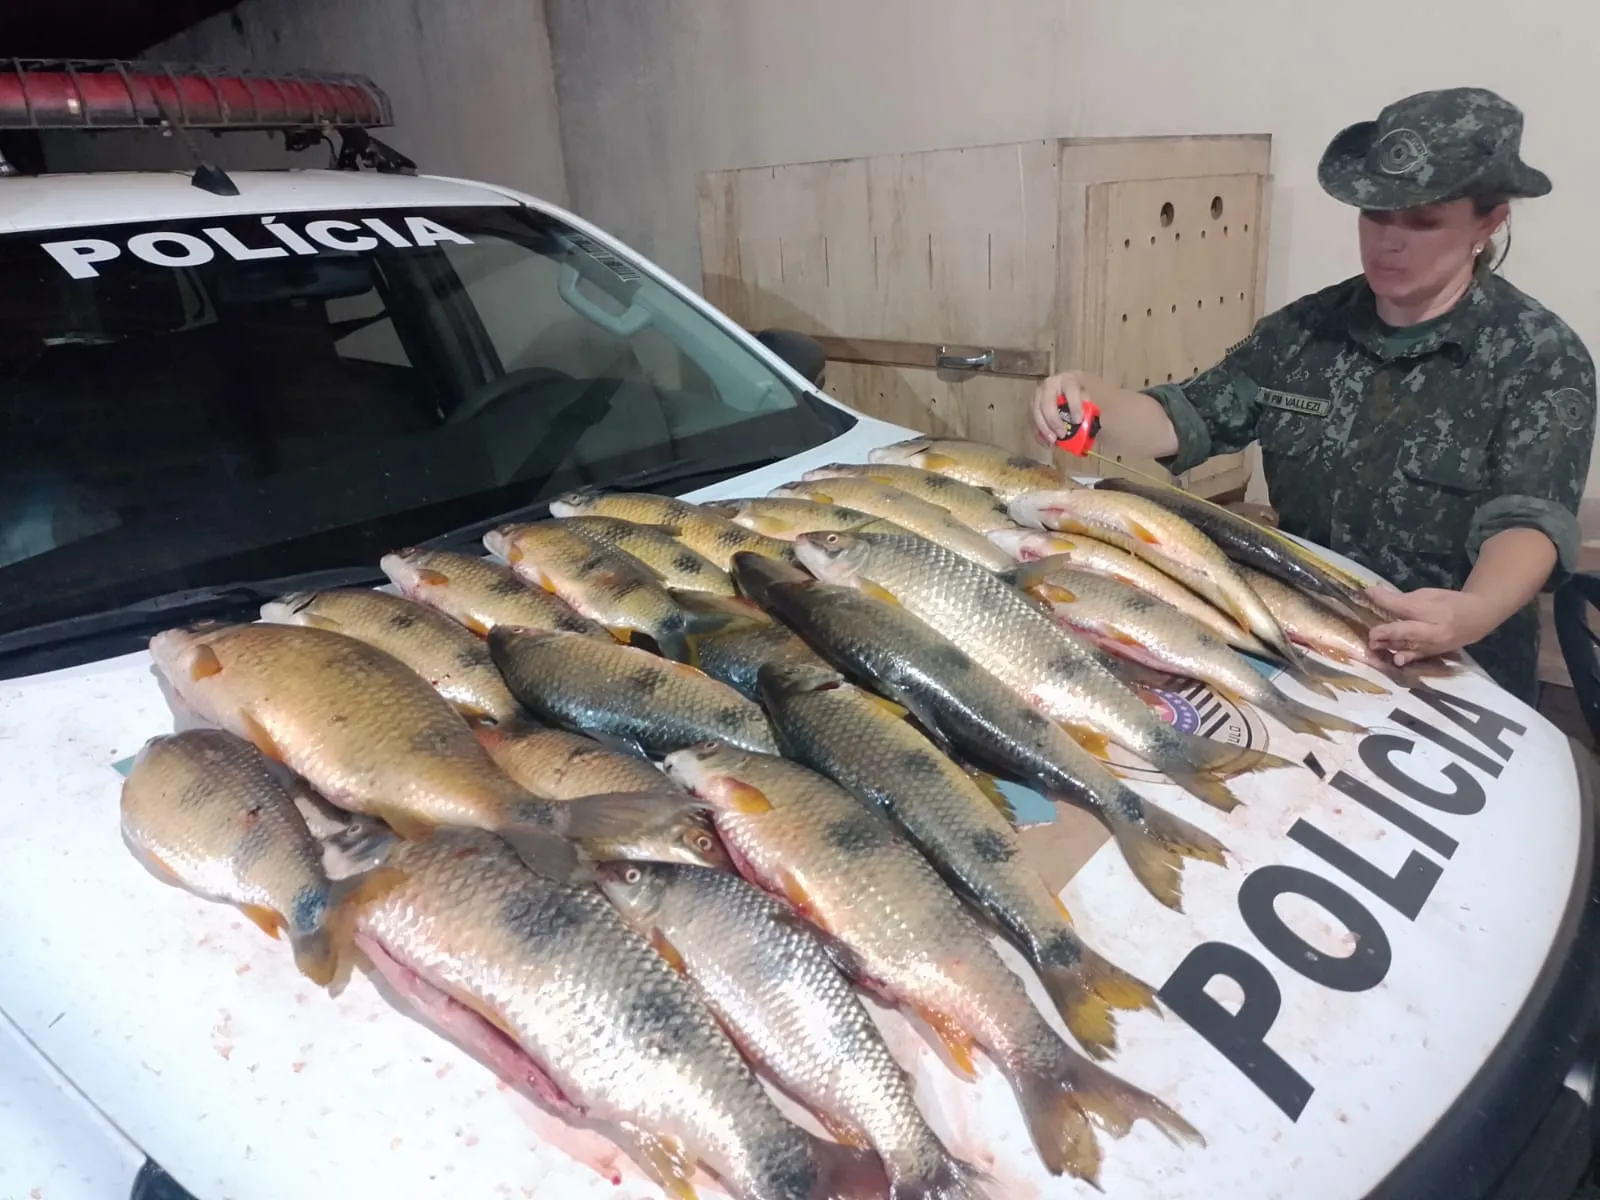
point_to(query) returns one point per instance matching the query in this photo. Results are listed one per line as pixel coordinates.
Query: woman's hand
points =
(1049, 422)
(1130, 422)
(1433, 621)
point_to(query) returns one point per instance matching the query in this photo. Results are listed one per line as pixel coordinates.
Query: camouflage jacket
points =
(1405, 449)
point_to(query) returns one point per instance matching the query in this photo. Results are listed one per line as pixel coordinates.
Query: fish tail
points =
(847, 1173)
(950, 1179)
(623, 814)
(1064, 1101)
(1087, 991)
(325, 954)
(1224, 761)
(1155, 844)
(1337, 680)
(1303, 718)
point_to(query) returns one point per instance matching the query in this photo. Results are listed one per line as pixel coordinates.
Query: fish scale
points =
(836, 729)
(203, 809)
(1014, 638)
(773, 982)
(602, 1016)
(845, 868)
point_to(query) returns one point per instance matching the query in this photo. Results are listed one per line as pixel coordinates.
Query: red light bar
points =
(115, 94)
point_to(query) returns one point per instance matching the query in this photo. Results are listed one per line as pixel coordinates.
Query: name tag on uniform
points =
(1310, 406)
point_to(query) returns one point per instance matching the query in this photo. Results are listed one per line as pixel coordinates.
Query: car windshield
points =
(197, 403)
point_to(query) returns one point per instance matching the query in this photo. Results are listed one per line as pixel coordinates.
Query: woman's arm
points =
(1512, 567)
(1131, 423)
(1525, 534)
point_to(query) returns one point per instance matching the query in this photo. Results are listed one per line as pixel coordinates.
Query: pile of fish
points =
(637, 808)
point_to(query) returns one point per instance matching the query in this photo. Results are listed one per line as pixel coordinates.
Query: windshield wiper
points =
(106, 632)
(711, 468)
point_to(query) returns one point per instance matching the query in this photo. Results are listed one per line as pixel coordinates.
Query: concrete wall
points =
(651, 94)
(470, 80)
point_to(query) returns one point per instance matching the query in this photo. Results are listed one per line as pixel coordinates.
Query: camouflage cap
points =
(1431, 147)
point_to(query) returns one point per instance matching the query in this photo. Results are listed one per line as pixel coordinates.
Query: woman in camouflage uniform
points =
(1424, 418)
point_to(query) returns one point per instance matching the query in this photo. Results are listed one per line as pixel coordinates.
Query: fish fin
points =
(990, 787)
(1339, 681)
(1063, 1103)
(622, 814)
(936, 461)
(431, 577)
(744, 798)
(476, 626)
(842, 1131)
(1055, 593)
(1087, 991)
(1094, 742)
(1208, 788)
(898, 711)
(622, 634)
(204, 663)
(1144, 533)
(256, 734)
(264, 919)
(326, 954)
(665, 1159)
(799, 899)
(847, 1173)
(878, 592)
(956, 1041)
(951, 1179)
(403, 823)
(1155, 846)
(1221, 759)
(662, 945)
(544, 852)
(1303, 718)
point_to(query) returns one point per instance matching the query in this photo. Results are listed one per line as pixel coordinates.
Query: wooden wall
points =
(1030, 252)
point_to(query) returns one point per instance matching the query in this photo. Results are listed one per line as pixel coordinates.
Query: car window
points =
(219, 400)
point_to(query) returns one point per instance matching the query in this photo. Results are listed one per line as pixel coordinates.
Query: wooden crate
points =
(1140, 259)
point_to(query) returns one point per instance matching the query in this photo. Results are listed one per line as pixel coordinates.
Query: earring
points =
(1478, 249)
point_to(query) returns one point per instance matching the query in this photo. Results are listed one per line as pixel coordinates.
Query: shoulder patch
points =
(1571, 408)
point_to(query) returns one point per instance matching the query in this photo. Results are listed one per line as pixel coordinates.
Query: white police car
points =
(217, 387)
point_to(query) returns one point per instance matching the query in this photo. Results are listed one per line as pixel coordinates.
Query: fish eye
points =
(632, 875)
(701, 841)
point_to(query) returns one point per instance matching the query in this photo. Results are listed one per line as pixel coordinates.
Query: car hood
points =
(1326, 997)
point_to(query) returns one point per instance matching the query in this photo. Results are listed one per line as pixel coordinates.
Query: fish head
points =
(636, 889)
(706, 771)
(756, 574)
(1030, 545)
(778, 680)
(507, 639)
(833, 556)
(800, 491)
(500, 542)
(574, 503)
(907, 453)
(184, 655)
(1038, 509)
(831, 471)
(292, 608)
(414, 570)
(686, 838)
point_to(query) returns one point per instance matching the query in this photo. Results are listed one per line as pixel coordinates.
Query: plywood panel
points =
(989, 408)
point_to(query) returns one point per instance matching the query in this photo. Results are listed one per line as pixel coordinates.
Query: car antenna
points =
(208, 177)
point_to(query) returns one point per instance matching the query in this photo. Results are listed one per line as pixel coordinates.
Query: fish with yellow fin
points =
(373, 737)
(202, 809)
(1006, 474)
(846, 869)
